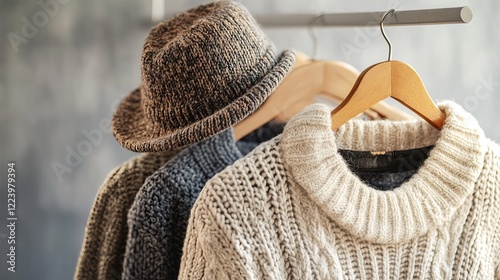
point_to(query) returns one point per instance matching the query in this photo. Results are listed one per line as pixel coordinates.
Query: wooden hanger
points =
(311, 78)
(388, 79)
(307, 80)
(332, 80)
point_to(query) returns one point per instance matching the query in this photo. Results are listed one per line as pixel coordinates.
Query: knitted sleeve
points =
(496, 201)
(495, 178)
(209, 252)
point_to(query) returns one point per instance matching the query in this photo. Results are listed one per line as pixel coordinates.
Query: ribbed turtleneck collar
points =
(427, 200)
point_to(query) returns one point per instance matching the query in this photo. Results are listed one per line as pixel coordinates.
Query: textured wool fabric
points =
(292, 209)
(385, 170)
(101, 256)
(158, 219)
(202, 72)
(385, 181)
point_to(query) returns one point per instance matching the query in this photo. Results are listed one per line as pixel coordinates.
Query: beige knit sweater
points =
(103, 248)
(292, 209)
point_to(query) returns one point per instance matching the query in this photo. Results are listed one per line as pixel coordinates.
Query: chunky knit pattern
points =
(203, 71)
(103, 248)
(292, 209)
(159, 216)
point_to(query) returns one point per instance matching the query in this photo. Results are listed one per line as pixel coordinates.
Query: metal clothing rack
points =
(411, 17)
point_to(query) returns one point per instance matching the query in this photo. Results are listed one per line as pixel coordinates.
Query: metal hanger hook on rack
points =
(312, 32)
(383, 32)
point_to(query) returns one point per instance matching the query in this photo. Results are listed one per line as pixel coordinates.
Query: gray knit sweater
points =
(158, 218)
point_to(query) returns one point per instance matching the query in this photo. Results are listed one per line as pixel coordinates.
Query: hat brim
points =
(136, 132)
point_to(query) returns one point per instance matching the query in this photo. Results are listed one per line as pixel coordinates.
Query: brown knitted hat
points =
(202, 72)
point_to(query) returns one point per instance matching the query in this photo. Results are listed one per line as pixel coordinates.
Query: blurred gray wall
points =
(65, 81)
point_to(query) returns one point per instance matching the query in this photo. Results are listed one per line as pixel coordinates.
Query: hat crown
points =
(200, 61)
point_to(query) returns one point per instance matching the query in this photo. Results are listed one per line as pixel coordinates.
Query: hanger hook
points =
(312, 32)
(383, 32)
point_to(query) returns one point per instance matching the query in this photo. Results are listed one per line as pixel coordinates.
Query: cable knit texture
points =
(158, 219)
(292, 209)
(101, 256)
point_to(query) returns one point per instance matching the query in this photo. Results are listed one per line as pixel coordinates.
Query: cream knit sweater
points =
(292, 209)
